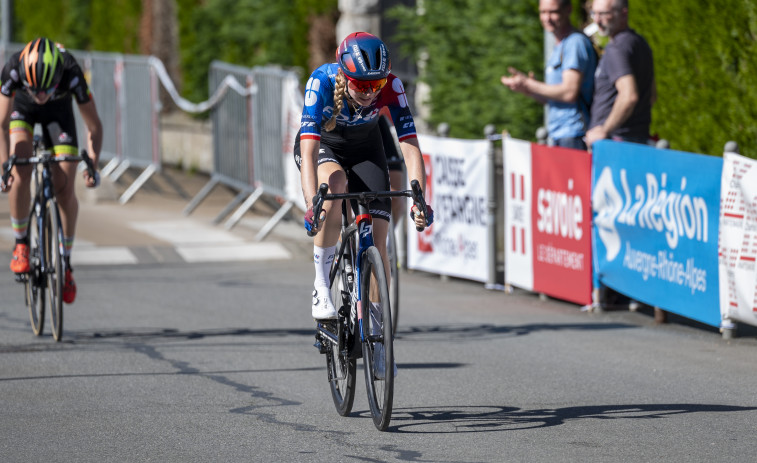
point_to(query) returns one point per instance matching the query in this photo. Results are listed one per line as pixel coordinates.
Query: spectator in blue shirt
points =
(569, 77)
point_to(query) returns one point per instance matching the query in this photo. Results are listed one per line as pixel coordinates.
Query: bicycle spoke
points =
(54, 270)
(340, 365)
(34, 283)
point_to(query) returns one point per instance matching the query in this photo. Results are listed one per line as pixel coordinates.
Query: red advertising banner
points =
(548, 220)
(561, 214)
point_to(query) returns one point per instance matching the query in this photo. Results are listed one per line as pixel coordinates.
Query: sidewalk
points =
(152, 226)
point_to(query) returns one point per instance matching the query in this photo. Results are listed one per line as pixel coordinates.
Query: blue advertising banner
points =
(655, 231)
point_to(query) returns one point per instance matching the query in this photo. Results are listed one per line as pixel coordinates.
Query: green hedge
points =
(706, 68)
(705, 55)
(468, 45)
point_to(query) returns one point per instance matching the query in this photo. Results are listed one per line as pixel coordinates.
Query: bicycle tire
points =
(394, 272)
(377, 333)
(54, 261)
(34, 284)
(340, 365)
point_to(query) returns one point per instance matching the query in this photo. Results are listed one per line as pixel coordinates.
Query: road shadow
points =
(170, 333)
(442, 420)
(487, 331)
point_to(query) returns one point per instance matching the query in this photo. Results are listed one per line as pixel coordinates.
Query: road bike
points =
(359, 290)
(44, 282)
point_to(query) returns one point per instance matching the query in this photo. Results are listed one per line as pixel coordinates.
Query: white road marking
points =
(221, 253)
(185, 232)
(105, 255)
(193, 241)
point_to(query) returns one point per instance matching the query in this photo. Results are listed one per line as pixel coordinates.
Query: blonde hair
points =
(340, 88)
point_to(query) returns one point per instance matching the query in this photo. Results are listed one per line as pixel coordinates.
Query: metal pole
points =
(491, 216)
(5, 11)
(731, 147)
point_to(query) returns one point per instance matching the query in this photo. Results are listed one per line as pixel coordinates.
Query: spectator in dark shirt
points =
(624, 83)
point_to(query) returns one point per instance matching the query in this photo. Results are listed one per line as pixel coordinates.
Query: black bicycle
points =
(44, 281)
(359, 290)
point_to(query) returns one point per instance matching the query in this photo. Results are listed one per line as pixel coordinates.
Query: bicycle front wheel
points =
(35, 281)
(54, 267)
(341, 365)
(378, 351)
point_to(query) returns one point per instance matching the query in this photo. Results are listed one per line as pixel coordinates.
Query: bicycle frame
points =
(44, 195)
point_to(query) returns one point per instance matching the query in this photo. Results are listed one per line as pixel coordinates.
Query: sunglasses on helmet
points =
(366, 86)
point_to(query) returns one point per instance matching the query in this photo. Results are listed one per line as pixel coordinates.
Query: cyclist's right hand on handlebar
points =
(7, 179)
(310, 225)
(315, 215)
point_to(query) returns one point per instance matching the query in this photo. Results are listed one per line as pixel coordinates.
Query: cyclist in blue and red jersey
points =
(36, 86)
(340, 143)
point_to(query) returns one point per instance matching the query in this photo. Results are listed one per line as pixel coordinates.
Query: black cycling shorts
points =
(56, 118)
(360, 153)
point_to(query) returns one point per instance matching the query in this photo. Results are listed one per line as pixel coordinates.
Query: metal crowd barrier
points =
(125, 88)
(251, 133)
(250, 142)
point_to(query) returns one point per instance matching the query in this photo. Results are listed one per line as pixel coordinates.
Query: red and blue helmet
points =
(364, 60)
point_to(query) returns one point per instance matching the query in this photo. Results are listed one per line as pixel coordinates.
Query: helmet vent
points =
(367, 60)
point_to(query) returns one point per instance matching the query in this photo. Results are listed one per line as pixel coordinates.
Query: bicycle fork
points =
(364, 223)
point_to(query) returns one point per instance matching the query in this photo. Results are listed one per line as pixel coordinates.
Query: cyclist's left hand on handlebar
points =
(422, 220)
(91, 181)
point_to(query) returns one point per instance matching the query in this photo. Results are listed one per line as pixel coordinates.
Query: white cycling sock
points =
(323, 258)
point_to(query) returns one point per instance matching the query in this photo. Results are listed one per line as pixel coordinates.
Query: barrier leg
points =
(143, 177)
(273, 221)
(660, 316)
(119, 171)
(596, 296)
(234, 203)
(246, 206)
(109, 167)
(728, 329)
(201, 195)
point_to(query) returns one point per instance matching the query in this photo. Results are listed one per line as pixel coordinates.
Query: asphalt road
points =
(170, 358)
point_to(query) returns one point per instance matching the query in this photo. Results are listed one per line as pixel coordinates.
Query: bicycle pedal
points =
(21, 277)
(320, 346)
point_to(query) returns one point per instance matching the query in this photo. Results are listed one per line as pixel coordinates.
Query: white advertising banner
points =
(737, 251)
(519, 268)
(457, 185)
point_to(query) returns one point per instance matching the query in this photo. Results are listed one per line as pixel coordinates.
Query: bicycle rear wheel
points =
(35, 282)
(54, 271)
(377, 328)
(341, 365)
(394, 272)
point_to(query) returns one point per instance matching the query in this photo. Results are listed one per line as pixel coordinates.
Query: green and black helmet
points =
(41, 65)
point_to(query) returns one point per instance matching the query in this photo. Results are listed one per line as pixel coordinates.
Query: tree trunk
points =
(159, 36)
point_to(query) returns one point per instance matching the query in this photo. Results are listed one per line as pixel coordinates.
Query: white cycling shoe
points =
(323, 308)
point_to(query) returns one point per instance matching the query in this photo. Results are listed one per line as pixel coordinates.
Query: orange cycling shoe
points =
(69, 287)
(20, 260)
